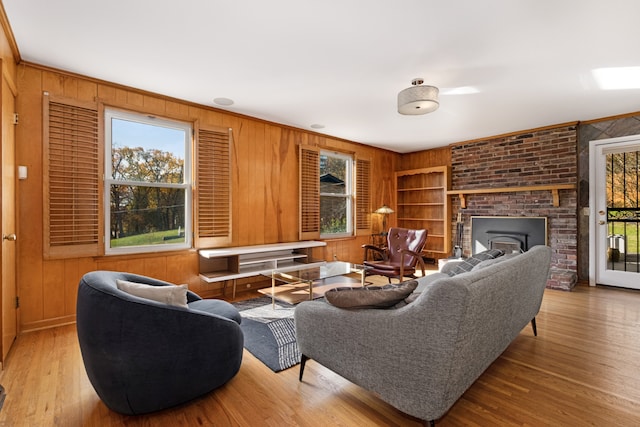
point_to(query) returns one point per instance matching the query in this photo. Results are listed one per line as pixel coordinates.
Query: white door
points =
(614, 212)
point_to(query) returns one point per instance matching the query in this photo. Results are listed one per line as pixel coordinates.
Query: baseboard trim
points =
(46, 324)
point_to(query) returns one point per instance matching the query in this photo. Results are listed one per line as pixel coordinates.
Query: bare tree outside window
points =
(148, 182)
(623, 204)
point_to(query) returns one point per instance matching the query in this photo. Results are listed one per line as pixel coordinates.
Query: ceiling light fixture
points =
(418, 99)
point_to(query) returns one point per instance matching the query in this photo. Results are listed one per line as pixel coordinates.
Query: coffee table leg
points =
(310, 290)
(273, 292)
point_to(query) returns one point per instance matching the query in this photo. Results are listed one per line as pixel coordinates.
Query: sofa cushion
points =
(488, 262)
(171, 295)
(370, 296)
(468, 264)
(423, 282)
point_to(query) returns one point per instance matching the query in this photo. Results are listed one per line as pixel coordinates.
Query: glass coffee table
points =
(306, 283)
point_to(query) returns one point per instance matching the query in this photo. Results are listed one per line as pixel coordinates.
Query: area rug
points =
(269, 334)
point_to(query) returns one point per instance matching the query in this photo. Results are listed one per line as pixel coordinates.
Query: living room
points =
(264, 209)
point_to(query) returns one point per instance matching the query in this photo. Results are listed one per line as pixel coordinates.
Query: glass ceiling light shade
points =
(417, 99)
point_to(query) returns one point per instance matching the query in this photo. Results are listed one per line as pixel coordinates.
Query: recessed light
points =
(223, 101)
(317, 126)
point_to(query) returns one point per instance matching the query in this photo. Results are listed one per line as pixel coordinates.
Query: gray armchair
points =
(143, 356)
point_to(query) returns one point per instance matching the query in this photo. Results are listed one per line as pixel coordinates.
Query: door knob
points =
(601, 222)
(12, 237)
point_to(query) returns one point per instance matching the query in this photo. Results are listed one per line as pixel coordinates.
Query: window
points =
(130, 191)
(329, 194)
(147, 186)
(336, 218)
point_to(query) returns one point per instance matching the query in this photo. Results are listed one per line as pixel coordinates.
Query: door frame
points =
(594, 242)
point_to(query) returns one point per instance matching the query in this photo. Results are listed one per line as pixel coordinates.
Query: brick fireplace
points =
(536, 158)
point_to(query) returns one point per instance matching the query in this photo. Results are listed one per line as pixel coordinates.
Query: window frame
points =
(115, 113)
(348, 196)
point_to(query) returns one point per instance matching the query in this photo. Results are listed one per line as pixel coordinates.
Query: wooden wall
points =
(425, 159)
(265, 193)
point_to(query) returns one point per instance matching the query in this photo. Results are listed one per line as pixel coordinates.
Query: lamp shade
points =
(418, 99)
(386, 210)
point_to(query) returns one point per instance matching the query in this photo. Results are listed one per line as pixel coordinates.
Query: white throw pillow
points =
(171, 295)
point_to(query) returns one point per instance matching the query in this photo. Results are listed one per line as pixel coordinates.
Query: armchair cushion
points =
(370, 296)
(171, 295)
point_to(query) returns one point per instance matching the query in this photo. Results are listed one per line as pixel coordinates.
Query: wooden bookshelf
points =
(423, 203)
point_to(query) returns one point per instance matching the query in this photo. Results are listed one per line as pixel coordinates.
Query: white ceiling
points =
(341, 63)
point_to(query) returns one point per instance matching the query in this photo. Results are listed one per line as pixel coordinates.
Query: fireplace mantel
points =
(553, 188)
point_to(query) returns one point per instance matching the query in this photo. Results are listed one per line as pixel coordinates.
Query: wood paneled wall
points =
(265, 192)
(425, 159)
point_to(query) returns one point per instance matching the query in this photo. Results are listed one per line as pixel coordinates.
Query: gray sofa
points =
(143, 355)
(422, 356)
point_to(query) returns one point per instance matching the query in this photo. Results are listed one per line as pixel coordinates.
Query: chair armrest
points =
(418, 257)
(381, 251)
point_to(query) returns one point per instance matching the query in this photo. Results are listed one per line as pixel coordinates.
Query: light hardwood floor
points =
(582, 369)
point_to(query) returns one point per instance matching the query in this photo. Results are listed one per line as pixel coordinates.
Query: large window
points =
(147, 189)
(336, 218)
(333, 203)
(132, 190)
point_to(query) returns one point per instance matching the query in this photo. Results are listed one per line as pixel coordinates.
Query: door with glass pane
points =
(615, 211)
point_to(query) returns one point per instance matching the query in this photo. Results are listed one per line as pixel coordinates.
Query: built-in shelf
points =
(554, 188)
(423, 204)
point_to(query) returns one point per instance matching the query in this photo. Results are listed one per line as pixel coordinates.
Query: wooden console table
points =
(224, 264)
